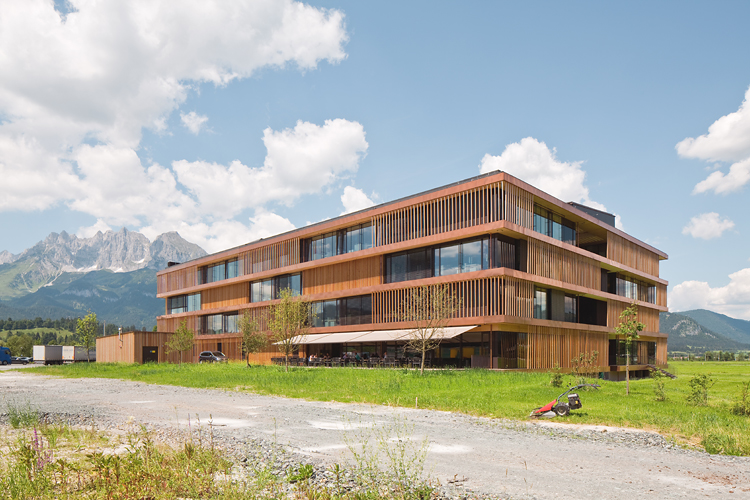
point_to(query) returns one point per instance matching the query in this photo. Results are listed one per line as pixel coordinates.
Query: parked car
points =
(211, 357)
(19, 360)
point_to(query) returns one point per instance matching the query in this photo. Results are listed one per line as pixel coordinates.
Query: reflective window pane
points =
(397, 268)
(449, 261)
(541, 310)
(366, 237)
(471, 257)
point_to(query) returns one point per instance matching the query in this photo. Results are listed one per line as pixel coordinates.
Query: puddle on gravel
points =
(338, 426)
(449, 449)
(232, 423)
(321, 449)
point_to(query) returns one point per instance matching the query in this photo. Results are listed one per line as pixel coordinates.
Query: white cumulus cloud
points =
(193, 121)
(532, 161)
(732, 299)
(707, 226)
(77, 91)
(728, 140)
(355, 199)
(301, 160)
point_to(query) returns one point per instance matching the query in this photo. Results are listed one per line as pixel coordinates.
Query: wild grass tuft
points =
(21, 415)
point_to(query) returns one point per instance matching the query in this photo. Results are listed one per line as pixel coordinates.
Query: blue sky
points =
(228, 126)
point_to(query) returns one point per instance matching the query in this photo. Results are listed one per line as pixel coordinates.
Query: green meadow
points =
(494, 394)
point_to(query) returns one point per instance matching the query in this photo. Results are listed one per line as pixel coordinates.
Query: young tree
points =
(430, 308)
(182, 340)
(253, 340)
(289, 322)
(629, 327)
(86, 330)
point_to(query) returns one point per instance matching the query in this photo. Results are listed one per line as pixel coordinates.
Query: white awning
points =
(448, 332)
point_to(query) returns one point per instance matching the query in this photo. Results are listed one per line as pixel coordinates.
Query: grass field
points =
(509, 395)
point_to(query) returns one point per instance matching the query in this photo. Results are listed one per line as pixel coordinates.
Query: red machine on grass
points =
(559, 408)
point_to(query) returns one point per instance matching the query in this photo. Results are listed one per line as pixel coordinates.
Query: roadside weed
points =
(21, 415)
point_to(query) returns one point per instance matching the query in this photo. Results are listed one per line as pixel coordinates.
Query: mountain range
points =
(700, 330)
(112, 274)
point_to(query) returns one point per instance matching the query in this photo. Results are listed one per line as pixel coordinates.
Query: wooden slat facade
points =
(128, 348)
(518, 205)
(447, 213)
(661, 351)
(661, 295)
(481, 297)
(170, 324)
(273, 256)
(549, 346)
(649, 317)
(344, 276)
(177, 280)
(628, 253)
(224, 296)
(556, 263)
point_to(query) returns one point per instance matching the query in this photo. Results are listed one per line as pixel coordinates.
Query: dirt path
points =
(520, 460)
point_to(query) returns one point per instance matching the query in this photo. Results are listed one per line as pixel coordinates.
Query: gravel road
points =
(517, 460)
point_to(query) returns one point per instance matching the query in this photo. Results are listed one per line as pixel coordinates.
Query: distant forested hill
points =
(688, 335)
(732, 328)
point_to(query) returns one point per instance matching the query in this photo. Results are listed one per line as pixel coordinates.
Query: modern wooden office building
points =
(540, 281)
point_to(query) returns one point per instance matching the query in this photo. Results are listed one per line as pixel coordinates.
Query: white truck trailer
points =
(77, 353)
(48, 354)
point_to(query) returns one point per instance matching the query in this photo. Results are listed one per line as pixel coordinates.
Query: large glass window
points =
(231, 323)
(220, 323)
(351, 239)
(357, 238)
(233, 269)
(213, 324)
(184, 303)
(505, 252)
(406, 266)
(571, 309)
(463, 257)
(323, 246)
(346, 311)
(220, 271)
(541, 303)
(631, 288)
(325, 313)
(554, 225)
(447, 261)
(270, 289)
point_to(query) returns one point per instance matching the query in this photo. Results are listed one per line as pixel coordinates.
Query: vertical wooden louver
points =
(493, 296)
(177, 280)
(556, 263)
(548, 347)
(625, 252)
(281, 254)
(649, 317)
(448, 213)
(518, 205)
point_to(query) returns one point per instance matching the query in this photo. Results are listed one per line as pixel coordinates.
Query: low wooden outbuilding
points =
(138, 347)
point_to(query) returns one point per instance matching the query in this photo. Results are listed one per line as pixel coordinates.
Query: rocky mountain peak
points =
(121, 251)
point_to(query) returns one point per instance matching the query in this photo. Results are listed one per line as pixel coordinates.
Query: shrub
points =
(556, 377)
(699, 386)
(584, 365)
(742, 405)
(659, 379)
